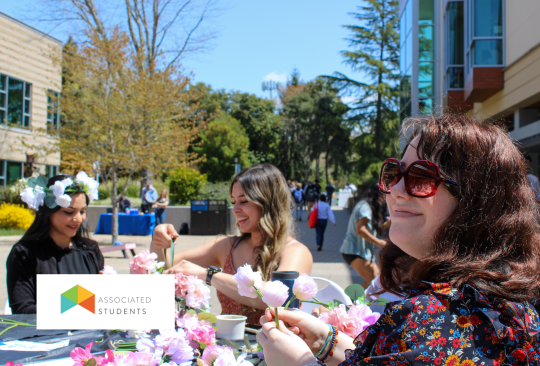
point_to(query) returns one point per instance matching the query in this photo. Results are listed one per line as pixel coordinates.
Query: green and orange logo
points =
(78, 295)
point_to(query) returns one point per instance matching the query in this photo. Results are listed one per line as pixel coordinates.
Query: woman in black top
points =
(56, 243)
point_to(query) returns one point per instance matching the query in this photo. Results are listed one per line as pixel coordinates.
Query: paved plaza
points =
(327, 263)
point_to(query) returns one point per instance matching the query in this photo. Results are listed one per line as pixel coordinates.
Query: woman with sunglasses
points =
(464, 250)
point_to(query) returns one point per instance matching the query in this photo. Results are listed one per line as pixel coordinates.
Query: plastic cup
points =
(230, 326)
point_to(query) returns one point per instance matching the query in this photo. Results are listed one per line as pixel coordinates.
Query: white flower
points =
(67, 182)
(39, 196)
(82, 177)
(246, 279)
(250, 291)
(275, 294)
(63, 201)
(138, 333)
(28, 196)
(226, 359)
(58, 188)
(305, 287)
(198, 294)
(108, 270)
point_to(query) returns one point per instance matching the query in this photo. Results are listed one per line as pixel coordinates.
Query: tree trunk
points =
(114, 200)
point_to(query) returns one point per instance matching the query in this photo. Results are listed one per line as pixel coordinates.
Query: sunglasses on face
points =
(421, 177)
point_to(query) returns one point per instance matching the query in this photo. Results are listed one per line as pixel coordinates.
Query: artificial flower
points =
(305, 287)
(227, 359)
(108, 270)
(138, 333)
(275, 294)
(81, 356)
(197, 330)
(143, 263)
(10, 363)
(173, 343)
(58, 188)
(251, 291)
(33, 197)
(245, 276)
(352, 322)
(63, 200)
(198, 295)
(212, 352)
(181, 285)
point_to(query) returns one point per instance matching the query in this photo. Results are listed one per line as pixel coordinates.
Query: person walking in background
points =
(360, 244)
(330, 189)
(162, 203)
(311, 196)
(318, 188)
(298, 197)
(324, 214)
(533, 179)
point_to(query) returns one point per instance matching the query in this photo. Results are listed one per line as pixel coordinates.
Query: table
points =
(79, 338)
(127, 224)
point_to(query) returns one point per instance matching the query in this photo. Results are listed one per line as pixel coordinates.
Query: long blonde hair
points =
(265, 186)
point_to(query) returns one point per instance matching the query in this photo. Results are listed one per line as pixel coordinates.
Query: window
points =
(14, 172)
(406, 59)
(455, 45)
(53, 110)
(51, 170)
(486, 46)
(426, 56)
(15, 101)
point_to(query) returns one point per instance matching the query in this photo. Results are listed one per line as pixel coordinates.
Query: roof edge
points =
(4, 15)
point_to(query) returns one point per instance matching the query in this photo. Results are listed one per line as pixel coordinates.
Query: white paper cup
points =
(231, 326)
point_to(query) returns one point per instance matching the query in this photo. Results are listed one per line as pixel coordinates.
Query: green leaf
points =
(336, 303)
(381, 301)
(50, 201)
(42, 181)
(207, 316)
(232, 344)
(32, 182)
(202, 345)
(330, 305)
(246, 342)
(91, 362)
(354, 291)
(191, 312)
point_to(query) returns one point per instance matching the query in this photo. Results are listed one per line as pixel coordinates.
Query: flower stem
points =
(276, 318)
(289, 302)
(260, 295)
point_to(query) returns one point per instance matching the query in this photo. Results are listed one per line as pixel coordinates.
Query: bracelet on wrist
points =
(332, 347)
(330, 332)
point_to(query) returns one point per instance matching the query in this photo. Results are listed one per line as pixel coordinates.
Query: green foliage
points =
(354, 291)
(223, 141)
(185, 184)
(217, 191)
(8, 196)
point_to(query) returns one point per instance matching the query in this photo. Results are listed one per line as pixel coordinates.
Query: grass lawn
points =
(8, 232)
(135, 202)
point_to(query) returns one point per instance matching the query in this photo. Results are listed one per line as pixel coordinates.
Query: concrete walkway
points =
(327, 263)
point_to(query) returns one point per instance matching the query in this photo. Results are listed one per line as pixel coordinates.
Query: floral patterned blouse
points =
(440, 325)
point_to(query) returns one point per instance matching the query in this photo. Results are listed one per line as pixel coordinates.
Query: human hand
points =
(282, 347)
(318, 311)
(310, 329)
(188, 268)
(162, 236)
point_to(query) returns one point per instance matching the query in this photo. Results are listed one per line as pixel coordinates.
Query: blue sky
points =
(259, 40)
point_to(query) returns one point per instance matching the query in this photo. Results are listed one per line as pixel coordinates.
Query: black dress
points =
(29, 258)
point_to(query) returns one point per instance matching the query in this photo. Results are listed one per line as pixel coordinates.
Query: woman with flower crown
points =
(56, 242)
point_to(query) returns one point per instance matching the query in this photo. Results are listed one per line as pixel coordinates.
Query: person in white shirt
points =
(324, 214)
(350, 187)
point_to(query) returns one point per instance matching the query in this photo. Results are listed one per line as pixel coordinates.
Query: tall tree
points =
(122, 118)
(374, 53)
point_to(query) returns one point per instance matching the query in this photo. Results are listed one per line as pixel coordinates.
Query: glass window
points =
(425, 79)
(455, 78)
(455, 33)
(425, 15)
(488, 52)
(53, 110)
(425, 106)
(14, 172)
(406, 111)
(2, 82)
(408, 53)
(15, 102)
(488, 18)
(425, 43)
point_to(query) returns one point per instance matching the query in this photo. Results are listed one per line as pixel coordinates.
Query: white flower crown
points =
(35, 193)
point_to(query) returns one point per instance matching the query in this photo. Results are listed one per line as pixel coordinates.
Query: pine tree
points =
(374, 53)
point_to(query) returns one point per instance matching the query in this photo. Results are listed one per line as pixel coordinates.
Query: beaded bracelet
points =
(332, 347)
(330, 333)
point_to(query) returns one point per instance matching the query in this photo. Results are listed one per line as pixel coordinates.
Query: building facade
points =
(30, 81)
(481, 57)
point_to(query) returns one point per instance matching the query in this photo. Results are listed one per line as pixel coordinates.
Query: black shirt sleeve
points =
(21, 280)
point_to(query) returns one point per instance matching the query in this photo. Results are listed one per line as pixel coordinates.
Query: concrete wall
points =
(27, 54)
(522, 28)
(176, 215)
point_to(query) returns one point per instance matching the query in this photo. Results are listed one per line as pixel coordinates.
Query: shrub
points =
(185, 184)
(7, 195)
(15, 216)
(103, 192)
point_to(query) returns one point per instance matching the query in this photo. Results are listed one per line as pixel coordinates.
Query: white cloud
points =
(349, 100)
(274, 76)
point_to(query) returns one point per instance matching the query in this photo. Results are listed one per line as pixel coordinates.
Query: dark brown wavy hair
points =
(492, 239)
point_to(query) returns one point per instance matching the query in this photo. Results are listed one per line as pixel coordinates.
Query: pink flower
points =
(10, 363)
(141, 358)
(108, 270)
(213, 351)
(226, 359)
(275, 294)
(143, 263)
(353, 322)
(181, 285)
(197, 330)
(305, 287)
(81, 356)
(173, 343)
(198, 294)
(246, 279)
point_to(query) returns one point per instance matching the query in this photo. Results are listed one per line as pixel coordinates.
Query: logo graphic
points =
(78, 295)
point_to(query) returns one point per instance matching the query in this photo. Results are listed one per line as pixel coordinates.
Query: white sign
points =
(151, 195)
(105, 302)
